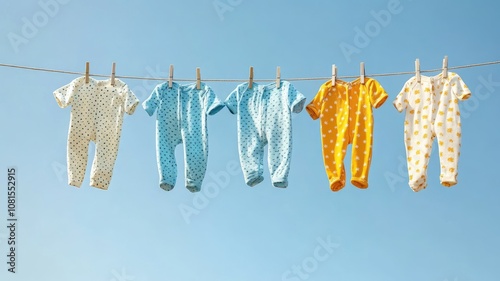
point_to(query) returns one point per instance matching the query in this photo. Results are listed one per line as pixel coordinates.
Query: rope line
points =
(244, 80)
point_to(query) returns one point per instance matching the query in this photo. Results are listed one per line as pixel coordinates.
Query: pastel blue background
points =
(136, 231)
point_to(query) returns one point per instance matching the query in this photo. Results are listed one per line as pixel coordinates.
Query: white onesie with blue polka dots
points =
(181, 117)
(264, 117)
(97, 110)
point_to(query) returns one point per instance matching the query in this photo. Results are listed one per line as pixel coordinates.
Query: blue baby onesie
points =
(181, 117)
(264, 117)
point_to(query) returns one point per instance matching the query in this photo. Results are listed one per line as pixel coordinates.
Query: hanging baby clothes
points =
(264, 117)
(345, 113)
(181, 117)
(432, 111)
(97, 110)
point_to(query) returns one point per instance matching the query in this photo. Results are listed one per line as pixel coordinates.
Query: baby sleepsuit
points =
(97, 110)
(181, 117)
(345, 113)
(264, 117)
(432, 111)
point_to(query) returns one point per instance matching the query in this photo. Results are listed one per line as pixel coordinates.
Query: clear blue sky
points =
(136, 231)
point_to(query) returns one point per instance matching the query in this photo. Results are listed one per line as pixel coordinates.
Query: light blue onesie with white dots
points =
(181, 117)
(264, 117)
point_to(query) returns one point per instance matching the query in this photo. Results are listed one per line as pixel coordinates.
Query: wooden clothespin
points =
(417, 70)
(334, 74)
(171, 76)
(113, 74)
(250, 80)
(278, 77)
(87, 67)
(362, 73)
(445, 67)
(198, 78)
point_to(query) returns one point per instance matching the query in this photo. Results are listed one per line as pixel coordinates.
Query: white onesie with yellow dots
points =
(432, 110)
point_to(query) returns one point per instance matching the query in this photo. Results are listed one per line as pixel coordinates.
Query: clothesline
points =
(243, 80)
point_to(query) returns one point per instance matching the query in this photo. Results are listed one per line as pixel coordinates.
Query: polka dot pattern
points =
(432, 111)
(181, 117)
(264, 118)
(97, 110)
(345, 113)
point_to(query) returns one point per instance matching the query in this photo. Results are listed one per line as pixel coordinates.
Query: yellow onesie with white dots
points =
(346, 114)
(432, 111)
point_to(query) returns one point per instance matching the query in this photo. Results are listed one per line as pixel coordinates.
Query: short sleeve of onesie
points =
(458, 87)
(130, 100)
(212, 102)
(401, 101)
(151, 103)
(314, 107)
(296, 99)
(377, 93)
(66, 94)
(233, 98)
